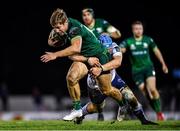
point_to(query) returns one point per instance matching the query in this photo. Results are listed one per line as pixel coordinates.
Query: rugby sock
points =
(155, 104)
(84, 110)
(76, 105)
(139, 113)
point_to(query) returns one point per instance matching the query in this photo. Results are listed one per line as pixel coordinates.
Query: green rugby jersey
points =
(90, 44)
(99, 27)
(139, 52)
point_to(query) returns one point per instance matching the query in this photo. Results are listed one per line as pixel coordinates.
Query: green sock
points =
(76, 105)
(156, 105)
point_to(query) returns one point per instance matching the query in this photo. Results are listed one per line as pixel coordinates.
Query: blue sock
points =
(139, 113)
(84, 110)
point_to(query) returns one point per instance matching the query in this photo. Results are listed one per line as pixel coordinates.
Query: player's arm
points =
(123, 45)
(78, 58)
(113, 64)
(159, 56)
(92, 61)
(113, 32)
(75, 48)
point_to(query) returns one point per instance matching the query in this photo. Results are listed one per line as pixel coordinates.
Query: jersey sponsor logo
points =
(139, 52)
(132, 47)
(99, 30)
(145, 45)
(138, 43)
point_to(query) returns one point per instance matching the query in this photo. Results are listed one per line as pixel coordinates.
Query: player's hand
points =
(164, 68)
(93, 61)
(48, 57)
(95, 71)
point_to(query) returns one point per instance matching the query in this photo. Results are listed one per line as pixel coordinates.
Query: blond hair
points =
(58, 17)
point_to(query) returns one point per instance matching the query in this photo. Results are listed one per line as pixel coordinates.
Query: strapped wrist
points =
(102, 68)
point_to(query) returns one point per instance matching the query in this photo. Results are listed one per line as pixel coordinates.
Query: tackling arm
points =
(113, 64)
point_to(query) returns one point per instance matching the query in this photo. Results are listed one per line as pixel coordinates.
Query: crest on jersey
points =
(99, 30)
(145, 45)
(132, 47)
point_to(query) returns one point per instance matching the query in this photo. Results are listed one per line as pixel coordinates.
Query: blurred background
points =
(30, 89)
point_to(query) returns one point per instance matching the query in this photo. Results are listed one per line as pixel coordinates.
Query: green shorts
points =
(140, 76)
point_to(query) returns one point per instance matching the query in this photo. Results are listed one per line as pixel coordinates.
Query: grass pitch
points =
(86, 125)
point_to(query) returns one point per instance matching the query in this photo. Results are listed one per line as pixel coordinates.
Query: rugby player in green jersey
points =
(99, 26)
(142, 67)
(83, 42)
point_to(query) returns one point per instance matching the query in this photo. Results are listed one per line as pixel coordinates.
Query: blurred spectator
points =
(176, 75)
(177, 97)
(37, 98)
(4, 96)
(58, 97)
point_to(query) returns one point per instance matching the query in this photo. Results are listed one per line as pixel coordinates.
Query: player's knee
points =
(128, 94)
(92, 108)
(71, 79)
(154, 92)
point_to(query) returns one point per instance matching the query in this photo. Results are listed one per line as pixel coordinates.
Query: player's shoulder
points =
(129, 40)
(74, 27)
(100, 20)
(74, 22)
(148, 38)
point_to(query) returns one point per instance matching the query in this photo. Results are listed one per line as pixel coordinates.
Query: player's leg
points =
(131, 101)
(97, 102)
(154, 96)
(135, 106)
(138, 78)
(90, 108)
(104, 82)
(118, 83)
(76, 72)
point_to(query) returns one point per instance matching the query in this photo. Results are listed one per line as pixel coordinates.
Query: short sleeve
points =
(152, 44)
(74, 32)
(106, 24)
